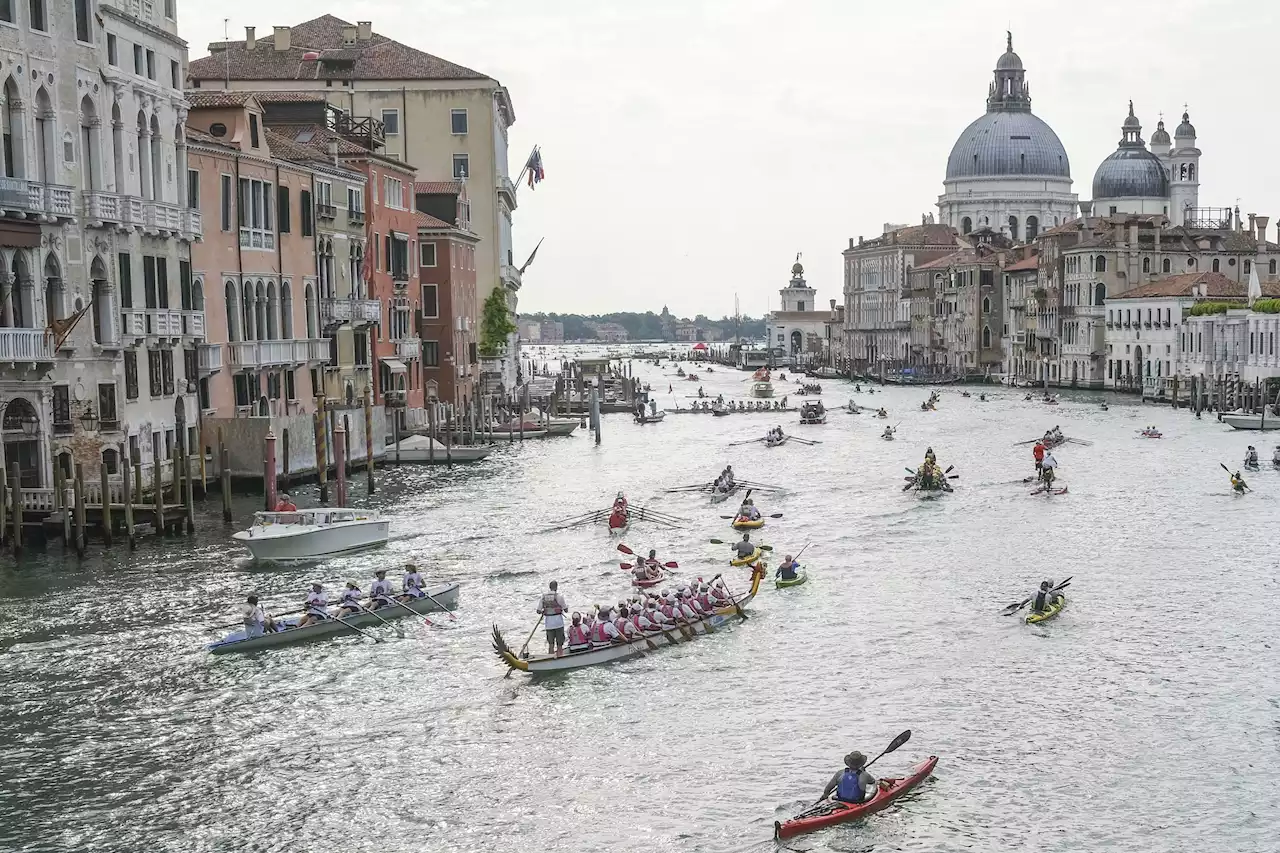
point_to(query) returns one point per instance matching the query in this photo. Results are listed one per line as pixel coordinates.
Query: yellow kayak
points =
(746, 561)
(1053, 610)
(744, 524)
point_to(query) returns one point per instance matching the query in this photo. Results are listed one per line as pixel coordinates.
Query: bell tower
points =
(1184, 171)
(798, 295)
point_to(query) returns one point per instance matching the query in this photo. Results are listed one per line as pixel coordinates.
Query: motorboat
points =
(425, 449)
(762, 389)
(312, 533)
(1251, 421)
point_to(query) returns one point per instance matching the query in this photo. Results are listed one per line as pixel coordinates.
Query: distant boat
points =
(762, 389)
(1249, 421)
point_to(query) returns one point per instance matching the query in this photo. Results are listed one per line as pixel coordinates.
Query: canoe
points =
(801, 577)
(647, 582)
(1053, 491)
(446, 594)
(832, 812)
(743, 524)
(538, 664)
(1054, 610)
(746, 561)
(720, 497)
(775, 442)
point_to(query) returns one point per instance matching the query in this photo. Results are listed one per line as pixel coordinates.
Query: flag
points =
(62, 328)
(532, 255)
(534, 167)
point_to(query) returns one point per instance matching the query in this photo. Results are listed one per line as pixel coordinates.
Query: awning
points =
(395, 365)
(700, 346)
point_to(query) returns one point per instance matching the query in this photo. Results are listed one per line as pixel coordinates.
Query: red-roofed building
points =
(450, 318)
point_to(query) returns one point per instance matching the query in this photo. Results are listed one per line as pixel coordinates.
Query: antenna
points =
(226, 47)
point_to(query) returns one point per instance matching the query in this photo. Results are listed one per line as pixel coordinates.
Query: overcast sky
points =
(692, 147)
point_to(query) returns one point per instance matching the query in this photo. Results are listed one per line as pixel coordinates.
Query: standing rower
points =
(1038, 452)
(552, 608)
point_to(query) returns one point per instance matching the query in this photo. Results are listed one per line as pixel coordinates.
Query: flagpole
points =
(525, 170)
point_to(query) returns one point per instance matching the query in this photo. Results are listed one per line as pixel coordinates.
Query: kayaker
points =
(853, 784)
(1251, 456)
(315, 607)
(285, 504)
(1055, 594)
(888, 432)
(1043, 598)
(255, 621)
(1038, 452)
(748, 511)
(787, 569)
(380, 592)
(1238, 483)
(577, 634)
(349, 603)
(411, 586)
(552, 608)
(743, 547)
(1048, 465)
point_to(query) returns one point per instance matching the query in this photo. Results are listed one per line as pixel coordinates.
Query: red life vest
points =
(598, 635)
(618, 519)
(705, 601)
(577, 636)
(635, 622)
(668, 611)
(551, 604)
(621, 624)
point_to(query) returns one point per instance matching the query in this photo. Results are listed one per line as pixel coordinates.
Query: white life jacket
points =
(551, 604)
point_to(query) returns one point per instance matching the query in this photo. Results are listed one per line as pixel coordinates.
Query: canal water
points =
(1146, 717)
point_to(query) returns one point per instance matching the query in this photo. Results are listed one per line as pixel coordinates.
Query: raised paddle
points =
(524, 650)
(1014, 608)
(893, 745)
(736, 605)
(1232, 475)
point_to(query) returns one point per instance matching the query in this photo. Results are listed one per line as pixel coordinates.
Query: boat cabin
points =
(311, 517)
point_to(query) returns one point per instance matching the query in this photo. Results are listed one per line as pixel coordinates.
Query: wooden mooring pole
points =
(126, 493)
(106, 504)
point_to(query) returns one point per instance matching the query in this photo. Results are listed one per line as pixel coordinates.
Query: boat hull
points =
(1051, 613)
(1239, 420)
(446, 594)
(721, 497)
(837, 812)
(763, 390)
(798, 580)
(314, 542)
(458, 453)
(739, 524)
(746, 561)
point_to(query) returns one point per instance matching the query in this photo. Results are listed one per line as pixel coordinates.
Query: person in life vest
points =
(1043, 598)
(1251, 456)
(603, 632)
(349, 602)
(748, 511)
(744, 548)
(578, 640)
(315, 608)
(652, 567)
(552, 608)
(285, 504)
(852, 784)
(380, 592)
(1055, 594)
(411, 586)
(1238, 483)
(787, 569)
(1048, 468)
(1038, 452)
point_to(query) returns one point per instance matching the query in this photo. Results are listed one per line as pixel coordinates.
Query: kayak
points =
(746, 561)
(744, 524)
(1053, 491)
(801, 577)
(832, 812)
(1054, 610)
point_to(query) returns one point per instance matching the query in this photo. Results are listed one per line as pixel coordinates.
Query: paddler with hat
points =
(852, 784)
(380, 592)
(316, 606)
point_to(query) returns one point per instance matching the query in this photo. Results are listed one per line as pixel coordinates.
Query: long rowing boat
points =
(446, 594)
(539, 664)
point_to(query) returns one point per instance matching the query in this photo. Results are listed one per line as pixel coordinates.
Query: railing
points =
(409, 348)
(52, 199)
(350, 310)
(355, 217)
(15, 195)
(131, 211)
(193, 222)
(326, 211)
(163, 322)
(256, 238)
(400, 277)
(369, 132)
(103, 207)
(25, 345)
(209, 357)
(511, 276)
(193, 323)
(318, 349)
(257, 353)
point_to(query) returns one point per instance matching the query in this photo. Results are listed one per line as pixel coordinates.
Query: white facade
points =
(1143, 343)
(1028, 206)
(798, 331)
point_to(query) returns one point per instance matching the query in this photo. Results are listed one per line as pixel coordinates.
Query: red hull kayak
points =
(831, 812)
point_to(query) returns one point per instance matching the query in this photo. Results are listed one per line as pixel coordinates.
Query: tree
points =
(495, 324)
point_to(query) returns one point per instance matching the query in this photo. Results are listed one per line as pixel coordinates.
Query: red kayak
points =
(831, 812)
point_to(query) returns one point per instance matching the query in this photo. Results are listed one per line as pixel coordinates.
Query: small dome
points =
(1009, 61)
(1186, 128)
(1130, 172)
(1131, 120)
(1161, 136)
(797, 268)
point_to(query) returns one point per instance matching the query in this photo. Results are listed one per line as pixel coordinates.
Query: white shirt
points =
(350, 597)
(412, 580)
(381, 588)
(252, 613)
(317, 601)
(553, 620)
(1049, 461)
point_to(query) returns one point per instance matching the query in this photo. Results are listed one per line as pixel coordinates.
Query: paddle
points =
(759, 545)
(357, 630)
(774, 515)
(893, 745)
(524, 650)
(736, 606)
(1014, 608)
(1242, 482)
(362, 608)
(437, 603)
(670, 565)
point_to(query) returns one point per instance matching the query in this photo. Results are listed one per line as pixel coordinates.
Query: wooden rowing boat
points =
(446, 594)
(540, 664)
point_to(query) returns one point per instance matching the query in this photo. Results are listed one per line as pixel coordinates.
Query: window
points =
(283, 208)
(290, 385)
(430, 354)
(461, 165)
(386, 253)
(153, 372)
(175, 74)
(430, 302)
(1146, 265)
(355, 201)
(1102, 264)
(1164, 266)
(458, 121)
(399, 258)
(61, 410)
(149, 282)
(189, 365)
(39, 20)
(306, 212)
(255, 214)
(1271, 266)
(126, 280)
(273, 386)
(374, 247)
(393, 193)
(169, 11)
(391, 122)
(184, 286)
(240, 381)
(138, 64)
(1215, 264)
(226, 202)
(1248, 267)
(6, 11)
(361, 342)
(193, 189)
(253, 130)
(166, 369)
(107, 414)
(151, 65)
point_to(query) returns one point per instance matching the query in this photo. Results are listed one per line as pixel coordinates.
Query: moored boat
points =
(651, 641)
(831, 812)
(312, 533)
(425, 449)
(446, 594)
(1250, 421)
(654, 418)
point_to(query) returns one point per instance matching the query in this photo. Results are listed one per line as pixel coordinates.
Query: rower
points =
(852, 784)
(888, 432)
(787, 569)
(552, 608)
(380, 592)
(349, 603)
(603, 632)
(285, 504)
(929, 458)
(1043, 598)
(578, 641)
(1251, 456)
(1038, 452)
(255, 621)
(315, 608)
(1047, 466)
(1238, 483)
(411, 586)
(1055, 594)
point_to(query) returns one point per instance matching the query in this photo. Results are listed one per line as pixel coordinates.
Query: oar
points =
(240, 623)
(740, 443)
(438, 603)
(399, 604)
(759, 545)
(357, 630)
(893, 745)
(736, 606)
(524, 650)
(773, 515)
(364, 609)
(672, 564)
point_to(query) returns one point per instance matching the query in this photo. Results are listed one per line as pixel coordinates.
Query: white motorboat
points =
(425, 449)
(1251, 421)
(762, 389)
(312, 533)
(289, 632)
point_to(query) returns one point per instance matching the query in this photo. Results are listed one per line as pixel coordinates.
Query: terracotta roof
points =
(1212, 285)
(438, 187)
(961, 257)
(286, 148)
(317, 136)
(912, 235)
(1031, 263)
(379, 58)
(272, 97)
(426, 220)
(214, 100)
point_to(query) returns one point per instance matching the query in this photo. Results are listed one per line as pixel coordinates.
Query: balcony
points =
(409, 348)
(131, 211)
(155, 322)
(256, 238)
(318, 349)
(400, 277)
(25, 346)
(326, 211)
(193, 222)
(510, 276)
(508, 190)
(161, 218)
(278, 353)
(366, 132)
(193, 323)
(209, 358)
(356, 311)
(103, 208)
(355, 217)
(30, 198)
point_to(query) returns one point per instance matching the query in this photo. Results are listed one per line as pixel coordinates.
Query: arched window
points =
(144, 158)
(180, 156)
(273, 313)
(1013, 227)
(1191, 262)
(55, 296)
(12, 126)
(1146, 265)
(1215, 264)
(260, 307)
(117, 146)
(233, 327)
(286, 311)
(986, 337)
(157, 162)
(309, 302)
(966, 225)
(89, 122)
(1099, 294)
(103, 310)
(250, 329)
(1033, 227)
(1191, 171)
(46, 137)
(1101, 264)
(111, 458)
(1271, 267)
(986, 305)
(197, 295)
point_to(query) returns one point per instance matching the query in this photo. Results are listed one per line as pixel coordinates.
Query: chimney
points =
(364, 30)
(250, 40)
(283, 38)
(349, 36)
(1263, 222)
(333, 151)
(1253, 227)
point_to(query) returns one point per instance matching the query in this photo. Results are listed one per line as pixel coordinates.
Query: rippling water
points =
(1147, 717)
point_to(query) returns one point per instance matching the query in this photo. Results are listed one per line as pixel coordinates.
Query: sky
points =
(693, 147)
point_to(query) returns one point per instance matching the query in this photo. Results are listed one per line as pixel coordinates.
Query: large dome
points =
(999, 144)
(1131, 173)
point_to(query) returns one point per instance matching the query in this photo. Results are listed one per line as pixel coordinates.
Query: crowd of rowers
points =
(725, 482)
(315, 608)
(744, 406)
(775, 435)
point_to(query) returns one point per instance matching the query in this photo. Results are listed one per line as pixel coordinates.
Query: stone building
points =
(797, 331)
(450, 317)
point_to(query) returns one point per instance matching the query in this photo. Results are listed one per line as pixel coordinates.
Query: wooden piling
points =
(137, 475)
(368, 439)
(269, 470)
(595, 412)
(126, 493)
(431, 432)
(78, 485)
(395, 434)
(340, 457)
(204, 474)
(224, 477)
(1175, 392)
(106, 504)
(322, 450)
(4, 507)
(177, 474)
(190, 494)
(157, 483)
(60, 501)
(283, 482)
(15, 512)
